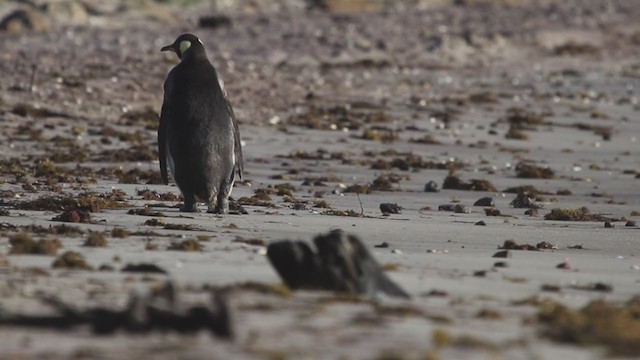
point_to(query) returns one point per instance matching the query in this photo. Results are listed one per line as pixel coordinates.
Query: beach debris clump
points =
(579, 214)
(22, 243)
(159, 310)
(186, 245)
(456, 183)
(529, 171)
(71, 260)
(616, 327)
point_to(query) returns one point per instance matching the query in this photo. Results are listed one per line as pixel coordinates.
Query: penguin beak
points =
(169, 48)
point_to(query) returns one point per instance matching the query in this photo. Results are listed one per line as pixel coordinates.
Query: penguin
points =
(198, 135)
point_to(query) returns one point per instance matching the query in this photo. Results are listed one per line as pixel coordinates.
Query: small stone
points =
(447, 207)
(608, 224)
(481, 223)
(501, 264)
(532, 212)
(492, 211)
(602, 287)
(396, 251)
(564, 265)
(480, 273)
(461, 209)
(546, 245)
(631, 223)
(485, 201)
(431, 186)
(502, 254)
(383, 245)
(550, 288)
(106, 267)
(388, 208)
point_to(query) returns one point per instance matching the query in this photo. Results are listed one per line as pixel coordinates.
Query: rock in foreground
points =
(340, 262)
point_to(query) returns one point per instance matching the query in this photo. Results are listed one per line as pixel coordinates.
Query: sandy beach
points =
(343, 106)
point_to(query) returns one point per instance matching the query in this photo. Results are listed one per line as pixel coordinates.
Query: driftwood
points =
(158, 311)
(340, 263)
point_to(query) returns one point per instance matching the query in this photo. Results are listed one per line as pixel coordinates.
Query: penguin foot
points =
(218, 210)
(189, 208)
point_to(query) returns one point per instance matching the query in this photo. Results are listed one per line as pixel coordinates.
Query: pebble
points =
(502, 254)
(388, 208)
(485, 201)
(431, 186)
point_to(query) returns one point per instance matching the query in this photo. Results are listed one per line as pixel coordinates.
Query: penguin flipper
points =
(162, 144)
(237, 145)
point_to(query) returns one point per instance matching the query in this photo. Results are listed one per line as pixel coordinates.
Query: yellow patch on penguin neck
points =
(184, 45)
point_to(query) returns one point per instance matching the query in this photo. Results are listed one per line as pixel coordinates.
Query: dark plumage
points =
(198, 137)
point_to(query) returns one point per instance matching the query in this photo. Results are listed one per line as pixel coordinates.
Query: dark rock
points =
(608, 224)
(340, 263)
(481, 223)
(431, 186)
(388, 208)
(461, 209)
(502, 254)
(480, 273)
(485, 201)
(447, 207)
(631, 223)
(383, 245)
(500, 264)
(144, 268)
(564, 265)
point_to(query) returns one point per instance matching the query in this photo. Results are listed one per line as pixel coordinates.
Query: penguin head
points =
(186, 46)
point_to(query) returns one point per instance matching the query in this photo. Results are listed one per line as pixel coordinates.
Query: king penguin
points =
(198, 136)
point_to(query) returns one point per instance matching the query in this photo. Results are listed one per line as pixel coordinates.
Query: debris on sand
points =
(74, 216)
(95, 239)
(529, 171)
(456, 183)
(617, 327)
(339, 262)
(580, 214)
(186, 245)
(22, 243)
(71, 260)
(160, 310)
(87, 201)
(513, 245)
